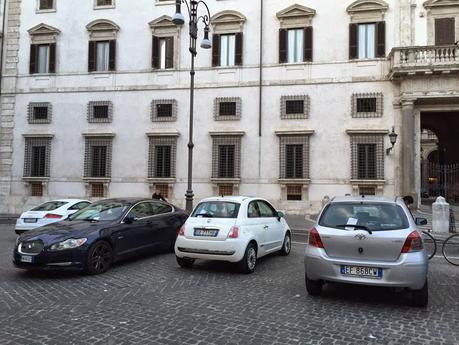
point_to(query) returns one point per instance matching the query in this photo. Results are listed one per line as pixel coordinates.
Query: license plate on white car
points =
(361, 271)
(26, 258)
(30, 220)
(206, 232)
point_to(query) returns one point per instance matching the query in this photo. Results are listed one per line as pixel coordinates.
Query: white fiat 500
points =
(236, 229)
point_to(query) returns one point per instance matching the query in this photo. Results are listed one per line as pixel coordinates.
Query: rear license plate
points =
(30, 220)
(361, 271)
(25, 258)
(206, 232)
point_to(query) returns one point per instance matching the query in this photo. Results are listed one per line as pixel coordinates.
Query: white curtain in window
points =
(371, 38)
(227, 50)
(43, 58)
(366, 41)
(231, 49)
(162, 53)
(295, 45)
(102, 56)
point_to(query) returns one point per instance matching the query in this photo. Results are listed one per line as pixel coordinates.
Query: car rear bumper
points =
(228, 250)
(410, 270)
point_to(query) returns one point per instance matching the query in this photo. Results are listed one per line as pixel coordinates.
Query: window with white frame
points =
(44, 5)
(43, 49)
(102, 45)
(227, 38)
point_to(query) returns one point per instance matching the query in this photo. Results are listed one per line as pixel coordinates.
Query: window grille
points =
(294, 192)
(162, 157)
(295, 107)
(37, 157)
(36, 189)
(104, 2)
(46, 4)
(367, 105)
(294, 157)
(39, 113)
(164, 110)
(163, 189)
(97, 190)
(227, 108)
(367, 156)
(100, 112)
(367, 190)
(225, 189)
(98, 157)
(226, 157)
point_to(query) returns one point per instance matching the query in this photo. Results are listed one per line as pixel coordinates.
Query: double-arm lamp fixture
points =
(393, 139)
(194, 18)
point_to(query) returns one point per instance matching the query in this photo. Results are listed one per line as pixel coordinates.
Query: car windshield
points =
(371, 216)
(216, 209)
(101, 211)
(49, 206)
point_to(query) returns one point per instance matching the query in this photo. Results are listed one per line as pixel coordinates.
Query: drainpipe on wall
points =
(260, 89)
(3, 43)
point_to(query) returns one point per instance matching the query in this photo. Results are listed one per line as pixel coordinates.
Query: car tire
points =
(249, 261)
(313, 287)
(185, 262)
(99, 258)
(286, 245)
(420, 298)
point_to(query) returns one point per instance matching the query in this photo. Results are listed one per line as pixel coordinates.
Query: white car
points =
(47, 213)
(236, 229)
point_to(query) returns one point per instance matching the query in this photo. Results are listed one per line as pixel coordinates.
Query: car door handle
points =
(266, 227)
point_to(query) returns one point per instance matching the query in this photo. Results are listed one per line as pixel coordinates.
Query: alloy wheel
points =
(101, 258)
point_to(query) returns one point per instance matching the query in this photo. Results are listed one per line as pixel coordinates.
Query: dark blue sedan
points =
(100, 234)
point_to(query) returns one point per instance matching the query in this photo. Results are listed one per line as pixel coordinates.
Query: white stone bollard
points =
(440, 215)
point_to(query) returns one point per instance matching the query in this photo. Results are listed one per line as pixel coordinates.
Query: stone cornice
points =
(367, 131)
(440, 3)
(283, 132)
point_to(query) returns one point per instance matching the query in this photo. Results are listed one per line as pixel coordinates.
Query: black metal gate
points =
(440, 180)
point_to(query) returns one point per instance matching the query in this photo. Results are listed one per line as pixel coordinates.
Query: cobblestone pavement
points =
(151, 300)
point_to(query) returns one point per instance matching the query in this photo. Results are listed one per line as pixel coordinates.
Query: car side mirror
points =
(280, 215)
(420, 221)
(129, 219)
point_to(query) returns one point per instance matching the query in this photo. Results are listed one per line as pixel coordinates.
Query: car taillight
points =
(182, 231)
(234, 232)
(413, 243)
(314, 239)
(53, 216)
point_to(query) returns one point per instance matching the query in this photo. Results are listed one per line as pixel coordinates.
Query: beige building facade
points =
(294, 102)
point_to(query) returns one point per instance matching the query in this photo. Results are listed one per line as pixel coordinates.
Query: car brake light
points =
(314, 239)
(53, 216)
(413, 243)
(182, 231)
(234, 232)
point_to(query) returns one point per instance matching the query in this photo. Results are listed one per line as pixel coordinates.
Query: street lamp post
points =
(178, 19)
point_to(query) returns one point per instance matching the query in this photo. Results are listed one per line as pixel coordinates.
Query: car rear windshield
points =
(105, 211)
(373, 216)
(216, 209)
(49, 206)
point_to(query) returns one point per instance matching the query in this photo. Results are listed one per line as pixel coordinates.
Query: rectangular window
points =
(163, 154)
(294, 107)
(226, 161)
(295, 39)
(366, 105)
(227, 109)
(104, 2)
(294, 192)
(100, 112)
(36, 189)
(164, 110)
(225, 189)
(367, 40)
(99, 161)
(102, 55)
(40, 113)
(46, 4)
(227, 50)
(43, 58)
(294, 161)
(444, 31)
(38, 161)
(97, 190)
(366, 161)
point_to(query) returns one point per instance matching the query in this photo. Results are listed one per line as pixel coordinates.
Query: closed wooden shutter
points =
(155, 52)
(33, 59)
(381, 39)
(444, 31)
(52, 58)
(170, 52)
(215, 50)
(238, 57)
(112, 55)
(92, 56)
(307, 44)
(282, 46)
(353, 39)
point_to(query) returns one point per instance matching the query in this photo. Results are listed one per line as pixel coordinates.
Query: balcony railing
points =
(424, 60)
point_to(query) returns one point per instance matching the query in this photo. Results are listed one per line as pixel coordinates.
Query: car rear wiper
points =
(361, 227)
(207, 215)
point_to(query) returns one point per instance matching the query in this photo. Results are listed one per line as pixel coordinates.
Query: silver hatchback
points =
(369, 241)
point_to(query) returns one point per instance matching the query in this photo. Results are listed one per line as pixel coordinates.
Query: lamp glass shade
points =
(393, 138)
(178, 19)
(205, 44)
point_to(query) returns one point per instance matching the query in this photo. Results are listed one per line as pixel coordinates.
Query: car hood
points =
(62, 231)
